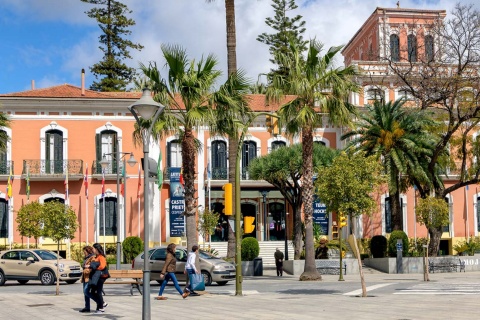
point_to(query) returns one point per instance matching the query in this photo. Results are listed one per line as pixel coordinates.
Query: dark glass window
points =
(110, 217)
(54, 151)
(3, 218)
(174, 154)
(278, 144)
(429, 48)
(388, 215)
(249, 152)
(106, 143)
(219, 160)
(412, 48)
(395, 47)
(375, 95)
(447, 227)
(478, 213)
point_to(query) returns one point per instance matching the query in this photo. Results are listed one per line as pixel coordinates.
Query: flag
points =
(66, 186)
(466, 187)
(209, 172)
(9, 184)
(159, 171)
(85, 181)
(139, 182)
(122, 187)
(182, 182)
(103, 183)
(28, 183)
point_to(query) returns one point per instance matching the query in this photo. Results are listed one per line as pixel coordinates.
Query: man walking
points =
(279, 262)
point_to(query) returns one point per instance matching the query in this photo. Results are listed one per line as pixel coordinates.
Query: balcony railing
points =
(5, 167)
(110, 169)
(217, 174)
(52, 167)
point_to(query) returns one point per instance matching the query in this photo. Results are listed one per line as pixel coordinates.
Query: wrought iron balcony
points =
(110, 169)
(5, 167)
(219, 173)
(52, 169)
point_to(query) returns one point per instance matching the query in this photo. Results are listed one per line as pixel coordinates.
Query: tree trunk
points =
(297, 229)
(188, 157)
(231, 36)
(57, 291)
(397, 215)
(359, 260)
(232, 158)
(434, 245)
(310, 272)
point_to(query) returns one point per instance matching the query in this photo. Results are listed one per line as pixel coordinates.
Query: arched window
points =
(249, 152)
(54, 151)
(219, 160)
(278, 144)
(429, 48)
(375, 95)
(106, 143)
(412, 48)
(395, 47)
(111, 216)
(174, 154)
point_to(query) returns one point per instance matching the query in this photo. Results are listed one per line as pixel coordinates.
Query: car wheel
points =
(222, 283)
(47, 278)
(22, 281)
(207, 278)
(70, 281)
(2, 278)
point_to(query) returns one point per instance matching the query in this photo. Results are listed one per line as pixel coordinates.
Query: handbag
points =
(197, 282)
(93, 281)
(105, 273)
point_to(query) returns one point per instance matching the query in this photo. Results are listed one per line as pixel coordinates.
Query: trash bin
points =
(257, 267)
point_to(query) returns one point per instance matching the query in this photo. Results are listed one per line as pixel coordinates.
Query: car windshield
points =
(207, 255)
(46, 255)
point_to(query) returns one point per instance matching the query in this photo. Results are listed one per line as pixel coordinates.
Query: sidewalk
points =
(312, 303)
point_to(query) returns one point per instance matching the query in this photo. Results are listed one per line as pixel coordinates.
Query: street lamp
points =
(131, 161)
(286, 241)
(144, 110)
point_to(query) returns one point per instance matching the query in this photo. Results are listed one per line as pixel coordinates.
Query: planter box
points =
(247, 268)
(296, 267)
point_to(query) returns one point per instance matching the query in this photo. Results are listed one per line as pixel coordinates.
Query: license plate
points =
(76, 271)
(232, 273)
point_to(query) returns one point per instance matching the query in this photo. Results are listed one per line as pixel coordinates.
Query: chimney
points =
(83, 82)
(33, 84)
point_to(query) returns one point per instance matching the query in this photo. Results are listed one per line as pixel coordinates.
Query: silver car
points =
(212, 268)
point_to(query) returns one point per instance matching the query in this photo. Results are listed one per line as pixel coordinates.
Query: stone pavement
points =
(311, 303)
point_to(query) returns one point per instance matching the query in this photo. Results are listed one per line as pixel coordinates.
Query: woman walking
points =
(169, 272)
(98, 276)
(88, 257)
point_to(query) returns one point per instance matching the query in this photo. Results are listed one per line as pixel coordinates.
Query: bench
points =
(133, 277)
(330, 266)
(446, 265)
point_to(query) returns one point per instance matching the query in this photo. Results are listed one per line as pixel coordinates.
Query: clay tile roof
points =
(70, 91)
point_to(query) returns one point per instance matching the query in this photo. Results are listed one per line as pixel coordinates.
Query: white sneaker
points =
(99, 311)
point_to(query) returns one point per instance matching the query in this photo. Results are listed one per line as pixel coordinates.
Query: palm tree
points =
(398, 135)
(232, 141)
(4, 138)
(185, 92)
(319, 90)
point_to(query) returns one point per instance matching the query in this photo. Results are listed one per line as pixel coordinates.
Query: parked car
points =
(213, 269)
(37, 264)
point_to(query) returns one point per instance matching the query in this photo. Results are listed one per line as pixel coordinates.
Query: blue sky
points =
(50, 41)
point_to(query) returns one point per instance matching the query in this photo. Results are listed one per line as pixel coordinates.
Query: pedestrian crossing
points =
(435, 288)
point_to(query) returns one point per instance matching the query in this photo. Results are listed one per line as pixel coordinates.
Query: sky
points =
(50, 41)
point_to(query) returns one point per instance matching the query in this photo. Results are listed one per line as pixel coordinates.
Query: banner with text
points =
(320, 215)
(177, 204)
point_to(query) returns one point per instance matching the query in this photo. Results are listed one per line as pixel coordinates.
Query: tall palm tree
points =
(185, 91)
(320, 89)
(399, 137)
(4, 138)
(232, 141)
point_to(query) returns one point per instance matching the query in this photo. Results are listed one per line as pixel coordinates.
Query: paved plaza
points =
(446, 296)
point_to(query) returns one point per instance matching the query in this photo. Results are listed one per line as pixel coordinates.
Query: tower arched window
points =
(412, 48)
(429, 48)
(219, 160)
(395, 47)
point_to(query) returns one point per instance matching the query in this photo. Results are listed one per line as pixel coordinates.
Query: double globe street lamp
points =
(104, 163)
(146, 112)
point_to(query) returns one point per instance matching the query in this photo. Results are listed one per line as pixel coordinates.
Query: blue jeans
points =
(168, 276)
(189, 286)
(86, 294)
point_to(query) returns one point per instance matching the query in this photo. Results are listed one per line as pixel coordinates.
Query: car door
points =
(157, 261)
(10, 263)
(29, 268)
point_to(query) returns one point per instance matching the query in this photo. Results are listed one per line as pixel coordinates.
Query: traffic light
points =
(268, 123)
(342, 220)
(275, 128)
(248, 225)
(227, 196)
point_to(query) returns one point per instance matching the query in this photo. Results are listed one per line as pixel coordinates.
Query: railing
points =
(5, 167)
(52, 167)
(110, 169)
(219, 173)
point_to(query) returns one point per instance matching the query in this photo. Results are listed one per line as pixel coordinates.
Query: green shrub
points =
(111, 260)
(250, 249)
(132, 246)
(392, 243)
(378, 246)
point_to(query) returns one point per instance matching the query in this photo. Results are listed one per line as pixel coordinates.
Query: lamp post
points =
(146, 112)
(265, 223)
(286, 241)
(131, 161)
